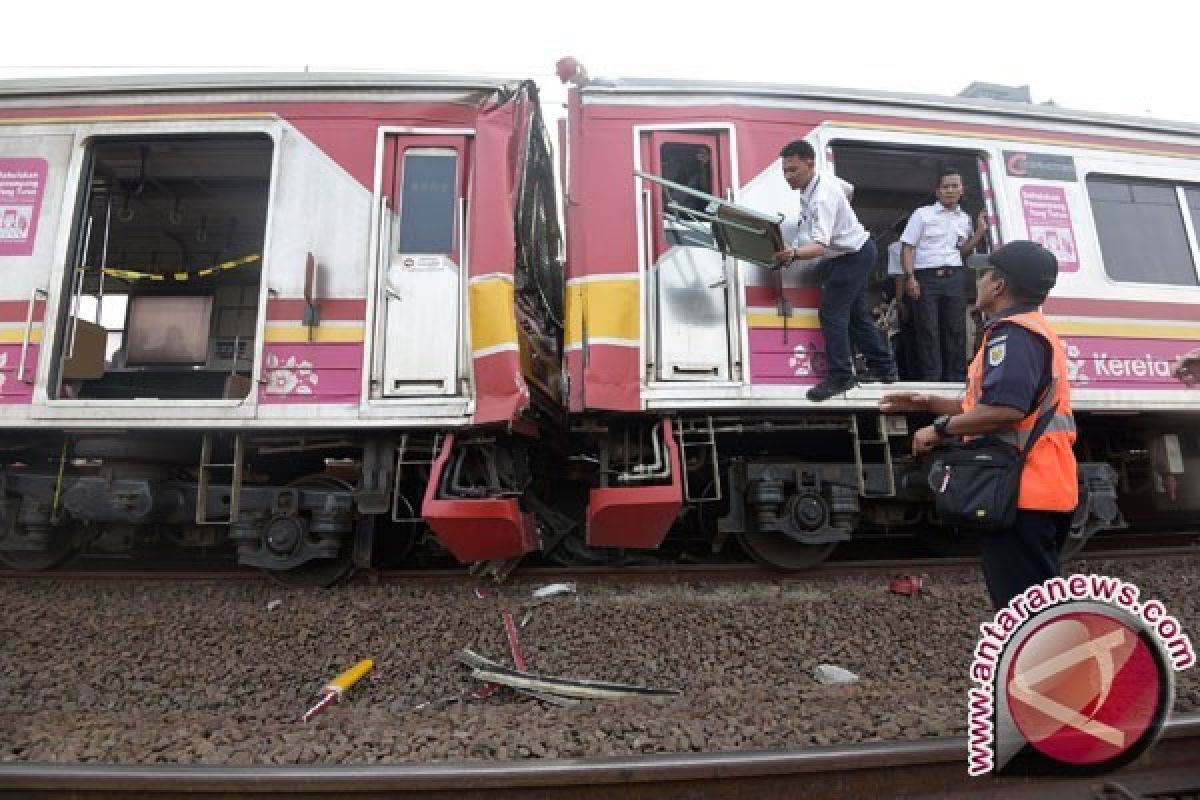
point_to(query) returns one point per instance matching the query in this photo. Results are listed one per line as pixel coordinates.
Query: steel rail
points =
(874, 769)
(666, 571)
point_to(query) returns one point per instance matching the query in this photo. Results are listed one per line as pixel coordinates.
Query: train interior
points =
(889, 183)
(163, 299)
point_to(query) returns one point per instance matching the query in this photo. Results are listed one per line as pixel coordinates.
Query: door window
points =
(427, 202)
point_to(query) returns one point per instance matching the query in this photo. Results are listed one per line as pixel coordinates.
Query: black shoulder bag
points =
(976, 483)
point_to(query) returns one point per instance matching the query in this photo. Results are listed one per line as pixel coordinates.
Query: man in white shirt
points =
(830, 231)
(935, 241)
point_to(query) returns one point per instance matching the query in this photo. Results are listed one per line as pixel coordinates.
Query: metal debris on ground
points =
(514, 643)
(498, 570)
(332, 692)
(830, 675)
(274, 604)
(553, 590)
(908, 585)
(545, 594)
(486, 670)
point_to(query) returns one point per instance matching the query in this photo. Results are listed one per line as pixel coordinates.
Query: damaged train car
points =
(298, 313)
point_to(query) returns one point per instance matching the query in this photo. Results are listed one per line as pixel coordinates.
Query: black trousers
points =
(1024, 555)
(940, 324)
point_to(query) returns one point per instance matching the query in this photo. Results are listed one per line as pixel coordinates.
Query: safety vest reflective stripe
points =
(1058, 423)
(1048, 482)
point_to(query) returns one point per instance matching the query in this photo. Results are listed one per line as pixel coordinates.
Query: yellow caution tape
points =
(180, 277)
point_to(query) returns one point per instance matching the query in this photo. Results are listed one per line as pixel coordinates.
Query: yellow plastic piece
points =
(350, 677)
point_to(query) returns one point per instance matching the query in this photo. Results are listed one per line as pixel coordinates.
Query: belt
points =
(941, 272)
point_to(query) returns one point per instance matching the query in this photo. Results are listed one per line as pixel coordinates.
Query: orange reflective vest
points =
(1048, 481)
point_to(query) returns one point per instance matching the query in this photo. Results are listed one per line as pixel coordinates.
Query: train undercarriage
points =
(309, 510)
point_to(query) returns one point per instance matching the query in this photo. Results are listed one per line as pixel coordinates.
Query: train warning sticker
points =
(22, 182)
(1048, 218)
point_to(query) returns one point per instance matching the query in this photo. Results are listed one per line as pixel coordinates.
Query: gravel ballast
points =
(202, 671)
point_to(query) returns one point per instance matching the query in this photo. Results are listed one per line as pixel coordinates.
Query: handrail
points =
(28, 332)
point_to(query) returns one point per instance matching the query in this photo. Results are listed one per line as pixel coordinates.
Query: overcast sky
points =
(1126, 58)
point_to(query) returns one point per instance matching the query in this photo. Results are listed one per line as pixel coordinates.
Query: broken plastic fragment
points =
(830, 675)
(332, 692)
(553, 590)
(909, 585)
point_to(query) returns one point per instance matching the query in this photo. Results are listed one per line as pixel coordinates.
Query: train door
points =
(689, 286)
(893, 174)
(422, 241)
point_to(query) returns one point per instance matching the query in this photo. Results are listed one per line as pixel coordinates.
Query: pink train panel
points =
(311, 373)
(795, 358)
(13, 391)
(1116, 363)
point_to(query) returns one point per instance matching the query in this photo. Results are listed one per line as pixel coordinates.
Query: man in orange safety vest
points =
(1019, 372)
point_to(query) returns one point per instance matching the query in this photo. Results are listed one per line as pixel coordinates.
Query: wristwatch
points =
(940, 424)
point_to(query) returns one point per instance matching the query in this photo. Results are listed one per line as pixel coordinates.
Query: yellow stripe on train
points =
(16, 335)
(493, 315)
(322, 334)
(610, 307)
(806, 319)
(1123, 329)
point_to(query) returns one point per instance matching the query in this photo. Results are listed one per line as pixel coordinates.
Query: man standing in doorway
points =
(1019, 372)
(847, 255)
(935, 241)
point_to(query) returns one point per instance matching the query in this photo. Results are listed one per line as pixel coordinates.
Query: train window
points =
(689, 165)
(427, 202)
(171, 228)
(1141, 229)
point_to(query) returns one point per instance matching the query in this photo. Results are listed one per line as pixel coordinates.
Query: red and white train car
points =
(692, 367)
(280, 308)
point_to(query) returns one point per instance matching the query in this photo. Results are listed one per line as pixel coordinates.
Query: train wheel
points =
(777, 551)
(323, 572)
(317, 574)
(63, 547)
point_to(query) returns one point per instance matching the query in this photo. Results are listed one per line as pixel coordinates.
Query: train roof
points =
(784, 92)
(248, 81)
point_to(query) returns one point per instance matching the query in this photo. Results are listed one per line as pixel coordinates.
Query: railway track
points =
(922, 768)
(119, 571)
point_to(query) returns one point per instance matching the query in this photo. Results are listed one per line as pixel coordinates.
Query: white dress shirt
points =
(826, 217)
(936, 232)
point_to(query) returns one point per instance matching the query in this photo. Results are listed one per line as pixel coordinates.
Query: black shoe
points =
(872, 376)
(829, 387)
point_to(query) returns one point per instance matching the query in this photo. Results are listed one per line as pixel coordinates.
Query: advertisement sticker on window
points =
(22, 181)
(1048, 218)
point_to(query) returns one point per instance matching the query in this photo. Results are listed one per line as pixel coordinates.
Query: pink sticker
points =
(797, 357)
(311, 373)
(1097, 362)
(1048, 218)
(22, 181)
